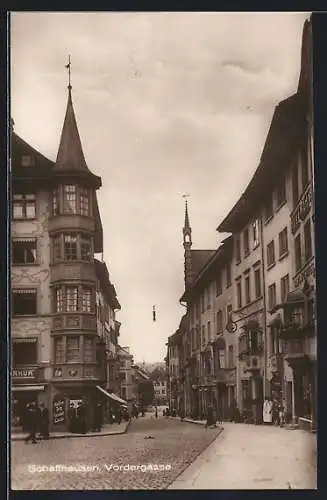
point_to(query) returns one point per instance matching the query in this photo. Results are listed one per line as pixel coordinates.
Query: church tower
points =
(187, 243)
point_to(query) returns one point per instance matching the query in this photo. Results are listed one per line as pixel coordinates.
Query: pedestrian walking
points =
(219, 417)
(210, 418)
(81, 418)
(72, 418)
(97, 422)
(44, 421)
(32, 423)
(156, 414)
(118, 416)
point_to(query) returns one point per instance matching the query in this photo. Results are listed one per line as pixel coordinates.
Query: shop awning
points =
(111, 395)
(25, 388)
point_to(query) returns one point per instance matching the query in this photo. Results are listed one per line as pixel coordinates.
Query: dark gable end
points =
(27, 162)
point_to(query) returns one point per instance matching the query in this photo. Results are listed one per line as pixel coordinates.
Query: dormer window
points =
(27, 161)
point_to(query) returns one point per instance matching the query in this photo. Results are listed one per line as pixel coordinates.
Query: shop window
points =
(24, 251)
(24, 206)
(281, 193)
(298, 252)
(246, 242)
(86, 248)
(283, 242)
(70, 205)
(24, 353)
(247, 290)
(284, 287)
(271, 254)
(257, 283)
(73, 349)
(220, 326)
(272, 296)
(239, 294)
(84, 201)
(307, 240)
(59, 350)
(88, 349)
(70, 247)
(24, 302)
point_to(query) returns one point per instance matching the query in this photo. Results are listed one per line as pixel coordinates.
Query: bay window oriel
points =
(72, 247)
(70, 298)
(71, 199)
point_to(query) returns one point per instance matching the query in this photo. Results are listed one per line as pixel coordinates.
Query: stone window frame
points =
(25, 200)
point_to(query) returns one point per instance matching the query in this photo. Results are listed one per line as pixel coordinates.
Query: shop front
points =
(25, 389)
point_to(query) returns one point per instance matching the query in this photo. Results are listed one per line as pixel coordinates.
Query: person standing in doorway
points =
(32, 423)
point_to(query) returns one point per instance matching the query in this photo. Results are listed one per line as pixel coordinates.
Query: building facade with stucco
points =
(58, 353)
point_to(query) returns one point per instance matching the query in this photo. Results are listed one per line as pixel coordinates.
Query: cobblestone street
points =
(156, 442)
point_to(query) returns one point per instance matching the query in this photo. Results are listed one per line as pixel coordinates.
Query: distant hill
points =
(150, 367)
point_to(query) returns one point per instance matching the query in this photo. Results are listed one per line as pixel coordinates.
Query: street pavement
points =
(254, 457)
(160, 448)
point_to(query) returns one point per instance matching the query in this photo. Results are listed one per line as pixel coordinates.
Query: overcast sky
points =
(166, 104)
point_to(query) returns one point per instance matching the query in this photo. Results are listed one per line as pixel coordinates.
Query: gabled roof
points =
(199, 259)
(39, 167)
(284, 136)
(217, 259)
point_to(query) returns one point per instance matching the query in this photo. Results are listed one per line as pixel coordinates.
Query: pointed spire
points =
(70, 157)
(187, 221)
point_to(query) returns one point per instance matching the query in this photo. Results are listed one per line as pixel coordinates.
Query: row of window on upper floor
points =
(300, 178)
(64, 247)
(68, 349)
(66, 199)
(64, 299)
(204, 302)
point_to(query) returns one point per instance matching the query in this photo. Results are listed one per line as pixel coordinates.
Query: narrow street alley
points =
(254, 457)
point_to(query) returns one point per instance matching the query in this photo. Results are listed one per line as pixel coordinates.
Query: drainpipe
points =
(265, 310)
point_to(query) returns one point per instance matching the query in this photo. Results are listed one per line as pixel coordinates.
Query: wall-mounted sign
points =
(23, 373)
(58, 411)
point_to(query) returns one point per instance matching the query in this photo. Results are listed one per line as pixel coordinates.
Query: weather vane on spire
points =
(67, 66)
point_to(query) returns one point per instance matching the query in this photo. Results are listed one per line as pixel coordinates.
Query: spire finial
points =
(187, 222)
(67, 66)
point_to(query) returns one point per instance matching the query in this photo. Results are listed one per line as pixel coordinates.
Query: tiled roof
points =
(39, 166)
(199, 259)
